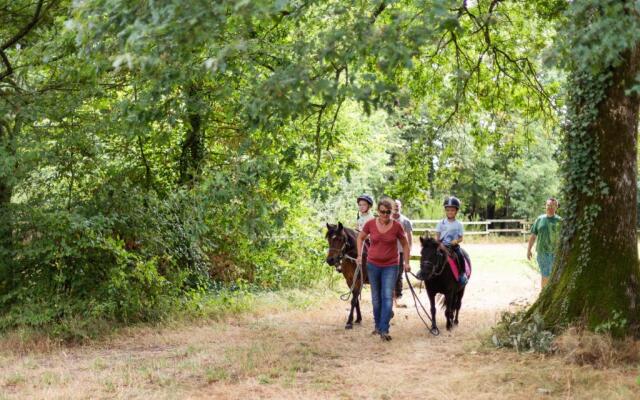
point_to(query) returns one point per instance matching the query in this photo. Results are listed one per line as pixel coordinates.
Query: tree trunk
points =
(596, 273)
(491, 207)
(193, 145)
(7, 135)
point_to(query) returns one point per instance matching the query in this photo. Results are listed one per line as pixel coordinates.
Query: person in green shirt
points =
(546, 229)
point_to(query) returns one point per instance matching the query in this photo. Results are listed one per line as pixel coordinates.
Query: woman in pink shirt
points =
(382, 262)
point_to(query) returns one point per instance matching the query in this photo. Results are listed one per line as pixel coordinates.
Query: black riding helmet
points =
(366, 198)
(452, 202)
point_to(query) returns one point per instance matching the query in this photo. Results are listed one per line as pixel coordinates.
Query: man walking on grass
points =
(546, 229)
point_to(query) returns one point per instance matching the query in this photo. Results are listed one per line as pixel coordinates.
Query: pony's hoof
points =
(348, 326)
(358, 322)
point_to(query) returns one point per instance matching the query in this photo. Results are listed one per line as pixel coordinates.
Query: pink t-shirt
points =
(383, 251)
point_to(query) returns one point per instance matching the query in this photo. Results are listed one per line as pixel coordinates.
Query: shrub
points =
(515, 331)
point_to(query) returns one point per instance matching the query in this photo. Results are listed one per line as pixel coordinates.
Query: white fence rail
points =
(497, 226)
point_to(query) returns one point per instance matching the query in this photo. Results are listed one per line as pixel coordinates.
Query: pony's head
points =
(338, 241)
(430, 255)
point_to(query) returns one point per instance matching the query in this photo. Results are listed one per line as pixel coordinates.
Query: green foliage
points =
(153, 152)
(616, 326)
(143, 257)
(513, 173)
(517, 331)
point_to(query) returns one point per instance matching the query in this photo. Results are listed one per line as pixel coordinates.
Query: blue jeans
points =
(382, 281)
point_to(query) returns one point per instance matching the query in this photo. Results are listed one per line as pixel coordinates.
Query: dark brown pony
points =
(342, 255)
(440, 279)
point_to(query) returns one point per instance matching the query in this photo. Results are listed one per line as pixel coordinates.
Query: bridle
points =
(342, 252)
(438, 266)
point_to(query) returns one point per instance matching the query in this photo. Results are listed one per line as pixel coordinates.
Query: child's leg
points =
(459, 259)
(462, 272)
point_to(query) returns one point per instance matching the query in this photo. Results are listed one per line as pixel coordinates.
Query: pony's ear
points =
(423, 239)
(328, 226)
(340, 227)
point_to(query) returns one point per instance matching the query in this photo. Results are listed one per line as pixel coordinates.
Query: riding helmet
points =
(452, 202)
(366, 198)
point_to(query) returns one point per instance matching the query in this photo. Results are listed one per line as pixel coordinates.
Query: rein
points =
(342, 255)
(347, 295)
(416, 299)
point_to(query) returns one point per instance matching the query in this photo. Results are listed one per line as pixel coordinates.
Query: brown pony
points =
(342, 255)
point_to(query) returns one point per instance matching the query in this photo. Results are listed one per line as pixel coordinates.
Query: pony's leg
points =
(348, 273)
(432, 302)
(456, 311)
(356, 297)
(458, 305)
(349, 324)
(450, 301)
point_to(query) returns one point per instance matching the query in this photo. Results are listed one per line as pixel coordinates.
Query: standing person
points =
(408, 230)
(383, 262)
(365, 202)
(546, 229)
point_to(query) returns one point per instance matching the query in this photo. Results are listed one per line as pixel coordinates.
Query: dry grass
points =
(302, 351)
(599, 350)
(20, 342)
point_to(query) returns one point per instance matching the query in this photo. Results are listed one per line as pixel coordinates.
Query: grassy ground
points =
(293, 345)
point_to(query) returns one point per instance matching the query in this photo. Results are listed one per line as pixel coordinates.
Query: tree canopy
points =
(153, 150)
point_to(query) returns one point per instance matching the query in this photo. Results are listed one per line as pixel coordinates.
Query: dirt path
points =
(306, 353)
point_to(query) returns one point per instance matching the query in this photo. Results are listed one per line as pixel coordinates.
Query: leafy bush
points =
(515, 331)
(126, 256)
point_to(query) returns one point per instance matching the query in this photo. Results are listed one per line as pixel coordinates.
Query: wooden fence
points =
(496, 226)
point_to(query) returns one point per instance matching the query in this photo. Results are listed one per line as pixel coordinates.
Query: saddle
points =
(459, 264)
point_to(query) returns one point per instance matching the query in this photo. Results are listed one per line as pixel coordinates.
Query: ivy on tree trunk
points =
(596, 273)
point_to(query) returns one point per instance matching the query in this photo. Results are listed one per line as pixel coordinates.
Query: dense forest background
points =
(153, 153)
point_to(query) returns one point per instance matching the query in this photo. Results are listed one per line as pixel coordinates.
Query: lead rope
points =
(347, 295)
(416, 301)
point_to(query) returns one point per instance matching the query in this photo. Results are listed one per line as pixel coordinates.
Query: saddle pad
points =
(454, 267)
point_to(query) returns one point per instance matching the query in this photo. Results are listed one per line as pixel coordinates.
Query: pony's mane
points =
(429, 240)
(330, 228)
(351, 233)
